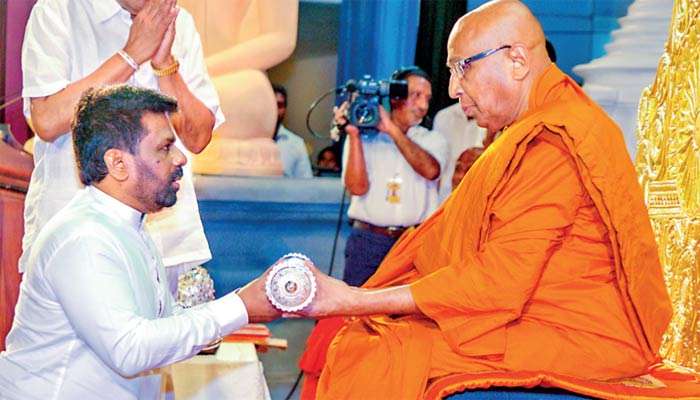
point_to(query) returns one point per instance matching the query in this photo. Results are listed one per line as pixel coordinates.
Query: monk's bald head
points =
(495, 88)
(496, 23)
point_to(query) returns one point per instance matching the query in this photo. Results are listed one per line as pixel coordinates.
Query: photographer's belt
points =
(390, 231)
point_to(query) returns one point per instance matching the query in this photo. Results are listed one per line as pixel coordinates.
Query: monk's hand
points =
(333, 297)
(255, 299)
(148, 28)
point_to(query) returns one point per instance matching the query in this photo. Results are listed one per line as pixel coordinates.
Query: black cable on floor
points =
(294, 387)
(338, 224)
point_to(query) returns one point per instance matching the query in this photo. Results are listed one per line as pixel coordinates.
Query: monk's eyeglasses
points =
(459, 67)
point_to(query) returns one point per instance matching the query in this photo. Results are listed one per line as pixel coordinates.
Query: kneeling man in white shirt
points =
(94, 317)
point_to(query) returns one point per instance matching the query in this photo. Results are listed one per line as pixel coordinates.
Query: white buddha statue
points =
(242, 39)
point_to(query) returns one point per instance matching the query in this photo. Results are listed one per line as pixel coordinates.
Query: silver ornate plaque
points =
(194, 287)
(291, 285)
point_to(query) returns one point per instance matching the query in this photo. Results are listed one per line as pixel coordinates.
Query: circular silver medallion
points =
(291, 285)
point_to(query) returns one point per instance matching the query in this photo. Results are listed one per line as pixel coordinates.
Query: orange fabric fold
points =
(542, 260)
(313, 360)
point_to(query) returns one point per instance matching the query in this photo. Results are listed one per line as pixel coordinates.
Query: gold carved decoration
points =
(668, 164)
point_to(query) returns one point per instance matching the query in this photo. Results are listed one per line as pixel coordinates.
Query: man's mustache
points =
(177, 174)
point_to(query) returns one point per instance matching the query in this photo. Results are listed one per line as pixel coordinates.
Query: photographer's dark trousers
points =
(364, 251)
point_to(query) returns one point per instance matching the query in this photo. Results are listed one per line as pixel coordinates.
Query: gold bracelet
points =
(169, 70)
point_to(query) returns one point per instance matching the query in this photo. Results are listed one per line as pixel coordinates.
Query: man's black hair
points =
(110, 118)
(550, 50)
(277, 88)
(404, 72)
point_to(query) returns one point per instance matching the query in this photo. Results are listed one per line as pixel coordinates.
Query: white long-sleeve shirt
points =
(94, 317)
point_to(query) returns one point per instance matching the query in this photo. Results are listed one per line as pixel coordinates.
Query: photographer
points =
(392, 175)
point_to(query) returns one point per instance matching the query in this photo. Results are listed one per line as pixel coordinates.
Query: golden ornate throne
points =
(668, 164)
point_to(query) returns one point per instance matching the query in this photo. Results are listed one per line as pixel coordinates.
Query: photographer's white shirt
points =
(65, 41)
(94, 317)
(397, 195)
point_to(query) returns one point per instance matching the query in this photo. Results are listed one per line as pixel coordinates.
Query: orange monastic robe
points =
(542, 260)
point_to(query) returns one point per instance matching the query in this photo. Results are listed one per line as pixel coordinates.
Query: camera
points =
(367, 95)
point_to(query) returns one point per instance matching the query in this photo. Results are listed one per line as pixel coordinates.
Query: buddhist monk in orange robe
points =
(543, 259)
